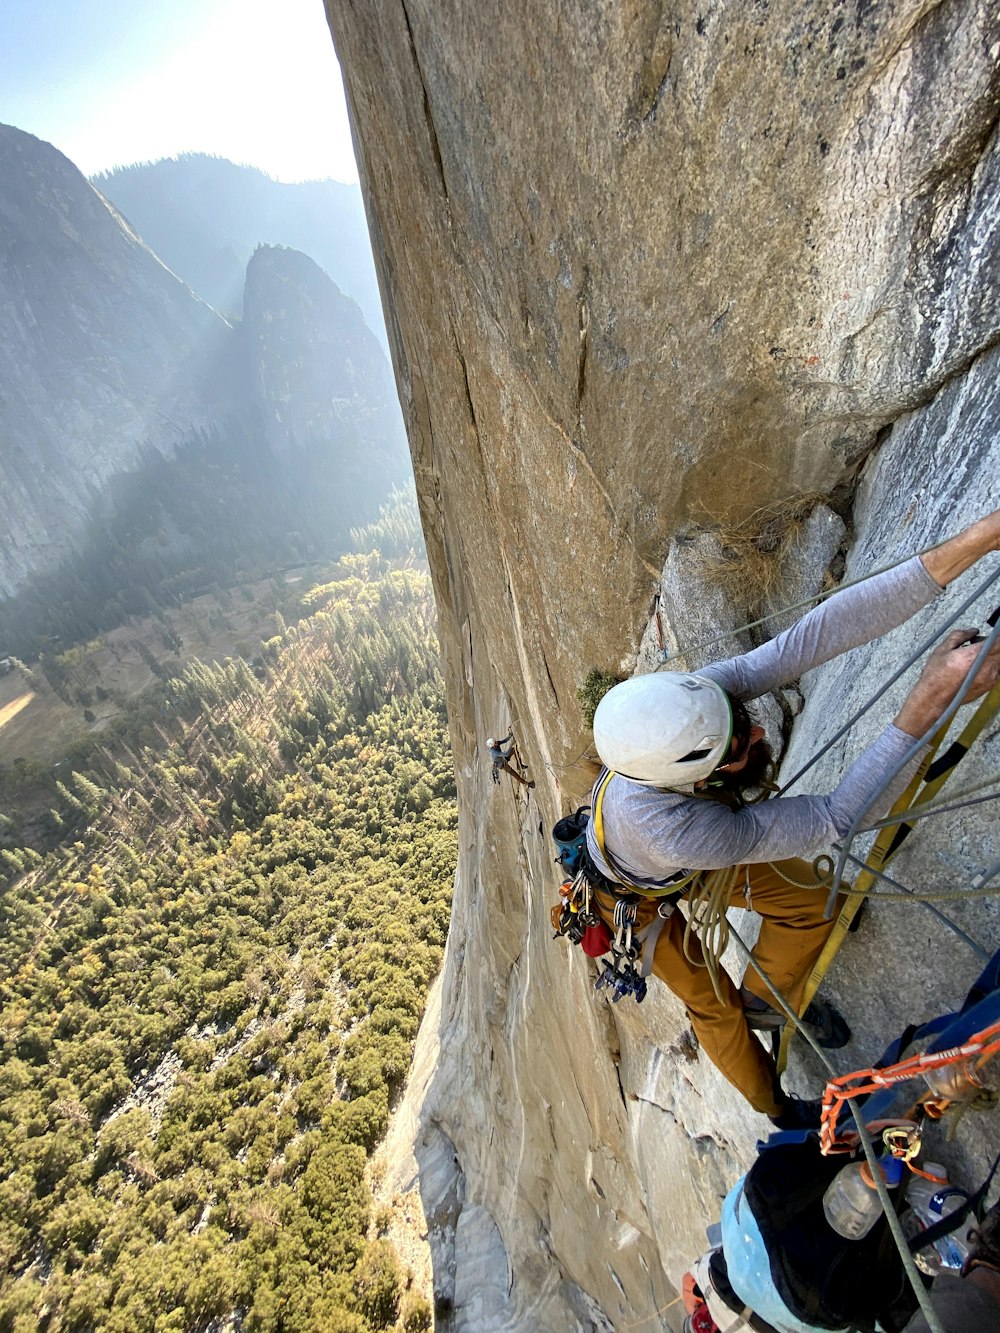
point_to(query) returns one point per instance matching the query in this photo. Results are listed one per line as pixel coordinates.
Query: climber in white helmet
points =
(682, 749)
(501, 758)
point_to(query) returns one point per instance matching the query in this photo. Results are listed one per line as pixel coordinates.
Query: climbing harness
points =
(668, 888)
(575, 917)
(706, 929)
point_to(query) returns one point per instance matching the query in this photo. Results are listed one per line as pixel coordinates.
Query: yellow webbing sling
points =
(889, 841)
(665, 890)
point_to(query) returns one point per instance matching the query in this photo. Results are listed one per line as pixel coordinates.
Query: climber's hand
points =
(942, 678)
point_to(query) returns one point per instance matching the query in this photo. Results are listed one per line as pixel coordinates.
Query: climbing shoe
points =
(798, 1114)
(826, 1025)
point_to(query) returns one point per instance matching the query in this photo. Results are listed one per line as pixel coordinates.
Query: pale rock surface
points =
(646, 268)
(806, 568)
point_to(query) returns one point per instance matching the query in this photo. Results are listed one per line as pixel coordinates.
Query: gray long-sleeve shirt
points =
(652, 833)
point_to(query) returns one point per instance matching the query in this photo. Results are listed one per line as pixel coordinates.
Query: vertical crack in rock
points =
(987, 143)
(428, 117)
(654, 72)
(650, 115)
(468, 387)
(473, 419)
(621, 1086)
(552, 684)
(583, 318)
(905, 38)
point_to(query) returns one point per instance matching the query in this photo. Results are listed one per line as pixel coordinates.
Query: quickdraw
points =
(623, 973)
(965, 1063)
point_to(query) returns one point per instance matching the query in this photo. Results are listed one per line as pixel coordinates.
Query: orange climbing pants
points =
(792, 936)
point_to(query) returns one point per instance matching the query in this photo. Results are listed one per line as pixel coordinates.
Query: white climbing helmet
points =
(490, 743)
(665, 729)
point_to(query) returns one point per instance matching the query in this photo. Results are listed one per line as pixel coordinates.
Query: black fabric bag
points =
(823, 1278)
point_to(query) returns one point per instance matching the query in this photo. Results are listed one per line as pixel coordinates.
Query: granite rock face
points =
(316, 370)
(645, 269)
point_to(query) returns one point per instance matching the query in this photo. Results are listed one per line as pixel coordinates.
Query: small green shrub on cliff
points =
(595, 686)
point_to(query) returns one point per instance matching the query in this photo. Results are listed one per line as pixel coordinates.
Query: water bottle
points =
(851, 1204)
(931, 1200)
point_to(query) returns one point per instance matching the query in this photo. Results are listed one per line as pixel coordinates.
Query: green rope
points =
(956, 801)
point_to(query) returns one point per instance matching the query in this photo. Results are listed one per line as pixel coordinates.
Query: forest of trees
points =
(217, 949)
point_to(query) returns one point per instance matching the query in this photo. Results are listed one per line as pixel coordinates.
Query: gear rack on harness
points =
(574, 917)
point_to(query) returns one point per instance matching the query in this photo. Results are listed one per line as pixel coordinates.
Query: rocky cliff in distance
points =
(647, 268)
(103, 352)
(122, 394)
(204, 216)
(317, 372)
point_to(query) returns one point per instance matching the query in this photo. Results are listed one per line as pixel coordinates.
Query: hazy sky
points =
(116, 81)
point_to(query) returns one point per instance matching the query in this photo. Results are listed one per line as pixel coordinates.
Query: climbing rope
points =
(891, 836)
(782, 611)
(867, 1146)
(711, 893)
(914, 657)
(880, 875)
(707, 924)
(957, 801)
(937, 775)
(937, 895)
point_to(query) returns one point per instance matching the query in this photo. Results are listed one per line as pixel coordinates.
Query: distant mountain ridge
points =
(103, 352)
(148, 445)
(204, 216)
(316, 365)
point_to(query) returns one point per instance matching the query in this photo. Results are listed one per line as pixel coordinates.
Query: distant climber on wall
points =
(682, 750)
(501, 759)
